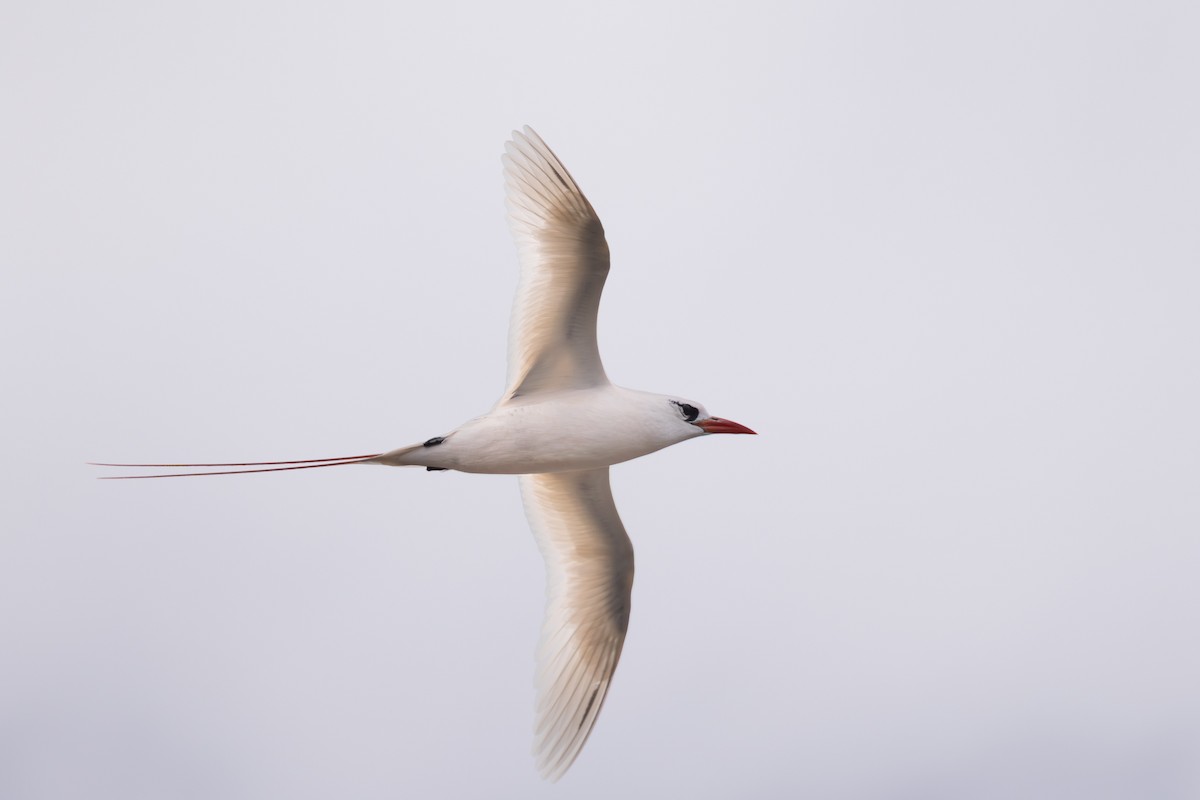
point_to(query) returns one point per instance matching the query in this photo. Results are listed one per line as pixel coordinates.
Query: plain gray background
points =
(942, 256)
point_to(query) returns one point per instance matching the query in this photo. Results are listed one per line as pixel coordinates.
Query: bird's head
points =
(701, 422)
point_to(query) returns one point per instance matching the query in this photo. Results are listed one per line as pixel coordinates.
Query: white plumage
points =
(564, 263)
(560, 424)
(589, 575)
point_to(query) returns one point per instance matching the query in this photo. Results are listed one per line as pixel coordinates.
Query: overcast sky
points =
(942, 256)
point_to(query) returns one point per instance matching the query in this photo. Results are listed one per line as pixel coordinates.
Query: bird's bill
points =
(718, 425)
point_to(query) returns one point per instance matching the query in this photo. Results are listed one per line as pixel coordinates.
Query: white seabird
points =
(559, 425)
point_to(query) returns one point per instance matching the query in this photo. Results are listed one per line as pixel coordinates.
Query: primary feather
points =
(589, 576)
(564, 263)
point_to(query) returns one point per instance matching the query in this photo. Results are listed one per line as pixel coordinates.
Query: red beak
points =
(718, 425)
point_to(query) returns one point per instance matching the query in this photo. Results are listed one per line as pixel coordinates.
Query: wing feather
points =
(589, 576)
(564, 262)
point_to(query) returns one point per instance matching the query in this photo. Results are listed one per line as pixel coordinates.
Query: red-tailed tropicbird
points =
(554, 428)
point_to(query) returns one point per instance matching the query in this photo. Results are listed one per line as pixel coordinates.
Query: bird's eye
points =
(689, 411)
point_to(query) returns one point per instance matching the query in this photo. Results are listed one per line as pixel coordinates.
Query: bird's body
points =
(559, 425)
(555, 432)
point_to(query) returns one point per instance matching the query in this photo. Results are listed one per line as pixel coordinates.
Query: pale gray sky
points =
(942, 256)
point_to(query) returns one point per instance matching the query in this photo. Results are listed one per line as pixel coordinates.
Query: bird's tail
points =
(258, 466)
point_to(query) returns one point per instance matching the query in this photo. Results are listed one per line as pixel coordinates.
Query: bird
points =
(559, 425)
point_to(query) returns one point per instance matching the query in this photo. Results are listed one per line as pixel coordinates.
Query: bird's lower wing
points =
(589, 575)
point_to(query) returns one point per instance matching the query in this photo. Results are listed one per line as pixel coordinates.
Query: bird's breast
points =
(543, 437)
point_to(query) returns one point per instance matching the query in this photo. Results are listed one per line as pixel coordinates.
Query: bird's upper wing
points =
(564, 262)
(589, 575)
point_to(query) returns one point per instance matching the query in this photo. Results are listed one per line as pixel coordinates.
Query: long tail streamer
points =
(268, 466)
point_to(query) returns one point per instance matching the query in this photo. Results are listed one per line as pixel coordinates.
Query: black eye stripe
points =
(689, 411)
